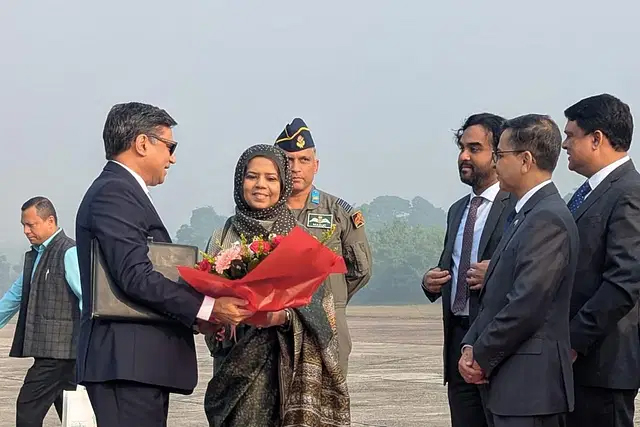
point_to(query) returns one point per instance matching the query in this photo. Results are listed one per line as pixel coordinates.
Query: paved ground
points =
(394, 376)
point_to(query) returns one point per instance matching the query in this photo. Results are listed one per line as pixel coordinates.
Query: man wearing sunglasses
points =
(128, 367)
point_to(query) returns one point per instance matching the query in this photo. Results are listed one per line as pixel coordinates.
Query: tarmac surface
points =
(395, 372)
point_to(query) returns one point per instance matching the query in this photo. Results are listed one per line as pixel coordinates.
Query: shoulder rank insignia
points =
(358, 219)
(318, 220)
(346, 206)
(315, 196)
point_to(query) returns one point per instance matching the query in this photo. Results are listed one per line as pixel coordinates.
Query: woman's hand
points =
(268, 319)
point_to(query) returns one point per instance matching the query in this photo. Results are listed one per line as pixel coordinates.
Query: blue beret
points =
(295, 137)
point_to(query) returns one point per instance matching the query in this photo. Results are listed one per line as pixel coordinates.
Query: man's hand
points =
(574, 355)
(475, 275)
(435, 279)
(228, 310)
(469, 369)
(268, 319)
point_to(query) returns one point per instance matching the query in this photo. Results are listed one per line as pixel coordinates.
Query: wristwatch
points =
(287, 322)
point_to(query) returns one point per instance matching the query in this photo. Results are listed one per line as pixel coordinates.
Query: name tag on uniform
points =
(316, 220)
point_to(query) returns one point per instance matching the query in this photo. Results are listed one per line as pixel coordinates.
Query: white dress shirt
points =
(488, 196)
(206, 309)
(529, 194)
(597, 178)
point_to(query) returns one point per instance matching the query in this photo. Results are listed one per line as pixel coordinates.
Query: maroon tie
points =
(462, 289)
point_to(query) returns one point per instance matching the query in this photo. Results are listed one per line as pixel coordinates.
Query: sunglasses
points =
(171, 145)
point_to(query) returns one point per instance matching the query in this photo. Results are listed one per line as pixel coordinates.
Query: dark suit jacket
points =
(604, 304)
(521, 335)
(503, 204)
(120, 215)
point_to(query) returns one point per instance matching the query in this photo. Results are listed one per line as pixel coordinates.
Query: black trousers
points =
(43, 385)
(128, 404)
(556, 420)
(465, 402)
(602, 407)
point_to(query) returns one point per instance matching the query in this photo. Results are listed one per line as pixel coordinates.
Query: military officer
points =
(319, 212)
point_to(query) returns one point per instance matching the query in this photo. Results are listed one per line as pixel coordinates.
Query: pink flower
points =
(260, 247)
(224, 258)
(276, 240)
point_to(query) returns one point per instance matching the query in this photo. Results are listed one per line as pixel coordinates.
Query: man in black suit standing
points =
(130, 368)
(604, 305)
(519, 343)
(474, 227)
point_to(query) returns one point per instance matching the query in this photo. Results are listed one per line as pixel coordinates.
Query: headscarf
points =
(246, 220)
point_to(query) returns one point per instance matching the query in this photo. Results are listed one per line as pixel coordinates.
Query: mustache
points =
(466, 164)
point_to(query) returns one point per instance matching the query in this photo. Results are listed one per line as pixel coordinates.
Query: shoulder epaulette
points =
(346, 206)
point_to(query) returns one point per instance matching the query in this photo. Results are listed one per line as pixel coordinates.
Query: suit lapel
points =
(492, 221)
(602, 188)
(543, 192)
(141, 195)
(506, 238)
(456, 219)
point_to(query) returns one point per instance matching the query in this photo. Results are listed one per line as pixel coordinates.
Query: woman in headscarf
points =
(283, 370)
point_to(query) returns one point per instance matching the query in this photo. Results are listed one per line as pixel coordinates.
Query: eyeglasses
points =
(171, 145)
(497, 155)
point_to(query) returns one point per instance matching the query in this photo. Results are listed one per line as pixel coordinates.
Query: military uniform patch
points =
(316, 220)
(346, 206)
(358, 219)
(315, 196)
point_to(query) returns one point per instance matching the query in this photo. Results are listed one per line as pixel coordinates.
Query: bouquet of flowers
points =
(270, 274)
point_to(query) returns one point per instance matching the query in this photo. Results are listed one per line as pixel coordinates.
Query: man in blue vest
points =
(47, 295)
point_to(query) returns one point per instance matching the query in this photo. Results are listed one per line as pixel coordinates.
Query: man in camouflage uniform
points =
(319, 212)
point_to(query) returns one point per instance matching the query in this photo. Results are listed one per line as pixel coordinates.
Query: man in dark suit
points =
(518, 346)
(604, 305)
(130, 368)
(474, 227)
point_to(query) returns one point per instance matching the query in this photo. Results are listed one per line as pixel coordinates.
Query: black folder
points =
(108, 301)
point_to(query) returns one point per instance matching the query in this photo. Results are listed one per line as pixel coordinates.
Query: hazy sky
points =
(381, 84)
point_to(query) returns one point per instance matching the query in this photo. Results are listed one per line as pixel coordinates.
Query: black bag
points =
(108, 301)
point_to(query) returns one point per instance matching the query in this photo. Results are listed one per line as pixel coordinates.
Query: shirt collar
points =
(136, 176)
(42, 247)
(597, 178)
(530, 194)
(489, 194)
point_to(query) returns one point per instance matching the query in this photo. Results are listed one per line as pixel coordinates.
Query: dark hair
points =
(607, 114)
(126, 121)
(490, 122)
(539, 135)
(44, 207)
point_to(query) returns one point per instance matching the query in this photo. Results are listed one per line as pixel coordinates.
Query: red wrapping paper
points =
(287, 278)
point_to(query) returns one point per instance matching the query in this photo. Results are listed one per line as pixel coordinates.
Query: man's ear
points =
(141, 145)
(598, 139)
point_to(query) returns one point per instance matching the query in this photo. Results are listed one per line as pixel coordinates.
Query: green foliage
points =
(203, 222)
(401, 254)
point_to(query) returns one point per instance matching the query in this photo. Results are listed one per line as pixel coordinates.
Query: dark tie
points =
(509, 220)
(462, 289)
(579, 196)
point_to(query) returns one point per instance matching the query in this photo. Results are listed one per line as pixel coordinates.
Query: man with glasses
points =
(474, 227)
(605, 337)
(518, 346)
(130, 368)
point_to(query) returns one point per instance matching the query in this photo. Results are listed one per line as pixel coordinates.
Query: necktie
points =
(509, 220)
(579, 196)
(462, 289)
